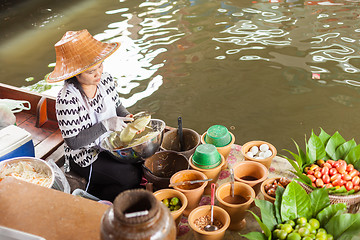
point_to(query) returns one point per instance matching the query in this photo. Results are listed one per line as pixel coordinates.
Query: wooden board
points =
(48, 213)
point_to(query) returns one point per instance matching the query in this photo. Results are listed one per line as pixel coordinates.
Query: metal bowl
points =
(38, 164)
(142, 150)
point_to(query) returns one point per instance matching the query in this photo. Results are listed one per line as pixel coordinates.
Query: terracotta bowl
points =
(171, 141)
(161, 166)
(170, 193)
(194, 193)
(219, 214)
(266, 161)
(251, 173)
(267, 197)
(212, 173)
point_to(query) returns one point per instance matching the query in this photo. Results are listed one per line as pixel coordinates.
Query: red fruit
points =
(329, 185)
(335, 177)
(356, 180)
(310, 172)
(336, 164)
(337, 182)
(346, 177)
(349, 185)
(325, 171)
(357, 188)
(349, 167)
(319, 183)
(317, 174)
(328, 165)
(341, 168)
(331, 162)
(312, 178)
(326, 178)
(354, 173)
(332, 171)
(313, 184)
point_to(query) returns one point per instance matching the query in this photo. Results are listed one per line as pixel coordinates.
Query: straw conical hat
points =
(76, 52)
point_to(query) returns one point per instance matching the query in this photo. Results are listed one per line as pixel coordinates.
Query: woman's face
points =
(91, 76)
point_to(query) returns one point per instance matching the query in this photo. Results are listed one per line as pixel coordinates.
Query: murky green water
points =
(268, 70)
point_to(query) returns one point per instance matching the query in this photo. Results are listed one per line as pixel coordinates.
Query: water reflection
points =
(262, 67)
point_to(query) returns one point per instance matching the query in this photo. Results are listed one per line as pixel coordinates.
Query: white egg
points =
(268, 153)
(259, 158)
(264, 147)
(254, 149)
(262, 154)
(250, 154)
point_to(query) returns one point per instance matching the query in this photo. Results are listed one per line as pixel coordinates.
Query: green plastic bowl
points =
(206, 156)
(218, 136)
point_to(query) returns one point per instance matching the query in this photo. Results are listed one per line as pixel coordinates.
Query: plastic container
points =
(15, 142)
(206, 156)
(13, 234)
(218, 135)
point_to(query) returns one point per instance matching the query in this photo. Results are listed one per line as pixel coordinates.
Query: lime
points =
(276, 233)
(293, 236)
(301, 221)
(315, 224)
(320, 235)
(287, 228)
(174, 201)
(303, 231)
(166, 202)
(291, 222)
(177, 207)
(329, 237)
(321, 230)
(307, 238)
(282, 235)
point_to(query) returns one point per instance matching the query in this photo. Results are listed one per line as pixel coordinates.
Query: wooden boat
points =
(40, 121)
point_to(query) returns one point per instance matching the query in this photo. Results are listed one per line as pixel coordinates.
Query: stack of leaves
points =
(294, 203)
(324, 147)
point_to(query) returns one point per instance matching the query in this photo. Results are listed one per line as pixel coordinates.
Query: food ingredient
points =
(261, 152)
(270, 188)
(293, 206)
(25, 171)
(173, 203)
(203, 221)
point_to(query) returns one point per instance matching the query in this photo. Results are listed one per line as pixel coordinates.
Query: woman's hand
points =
(116, 123)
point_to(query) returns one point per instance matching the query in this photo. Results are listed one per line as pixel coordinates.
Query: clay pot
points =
(225, 150)
(170, 193)
(251, 173)
(212, 173)
(219, 214)
(236, 210)
(266, 161)
(161, 166)
(152, 220)
(171, 141)
(192, 192)
(267, 197)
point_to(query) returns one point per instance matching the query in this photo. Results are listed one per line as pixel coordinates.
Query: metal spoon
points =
(232, 180)
(211, 227)
(180, 132)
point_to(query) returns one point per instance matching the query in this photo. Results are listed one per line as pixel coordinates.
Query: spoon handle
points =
(213, 194)
(232, 182)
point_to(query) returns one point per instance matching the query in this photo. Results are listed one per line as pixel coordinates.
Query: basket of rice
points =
(29, 169)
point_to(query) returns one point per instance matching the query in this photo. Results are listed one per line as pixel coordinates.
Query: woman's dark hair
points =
(76, 83)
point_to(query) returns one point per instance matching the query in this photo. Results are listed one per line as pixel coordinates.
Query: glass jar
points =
(137, 215)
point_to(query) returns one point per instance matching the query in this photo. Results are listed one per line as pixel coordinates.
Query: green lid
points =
(206, 156)
(218, 135)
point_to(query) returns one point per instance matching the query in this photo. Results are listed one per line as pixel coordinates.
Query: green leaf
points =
(344, 149)
(292, 162)
(302, 156)
(254, 236)
(319, 200)
(267, 213)
(315, 148)
(353, 156)
(267, 232)
(295, 202)
(324, 137)
(340, 226)
(324, 215)
(334, 142)
(277, 204)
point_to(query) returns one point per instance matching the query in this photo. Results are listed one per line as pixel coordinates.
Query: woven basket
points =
(351, 201)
